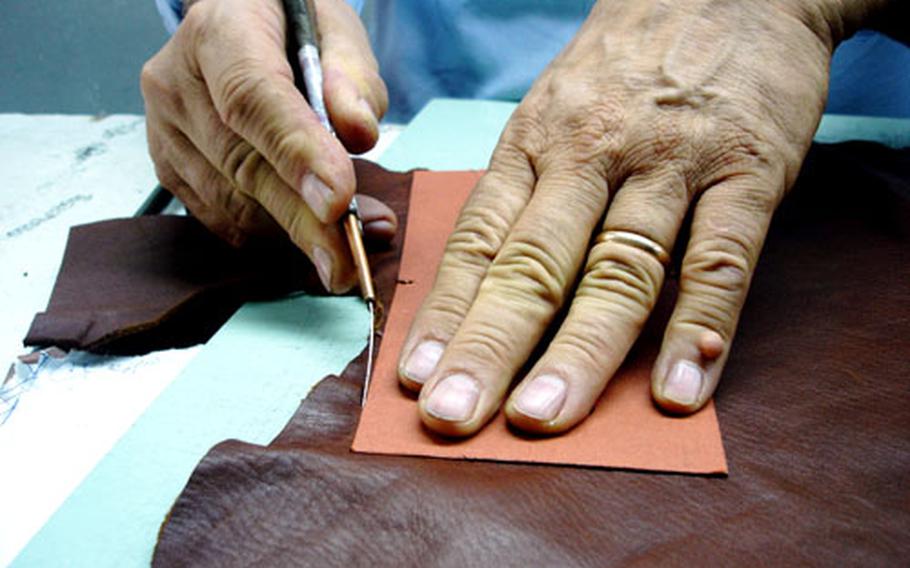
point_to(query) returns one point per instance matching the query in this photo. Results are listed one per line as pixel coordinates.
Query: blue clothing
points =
(171, 12)
(495, 49)
(468, 48)
(870, 75)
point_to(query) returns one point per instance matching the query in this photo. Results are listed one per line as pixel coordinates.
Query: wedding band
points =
(637, 241)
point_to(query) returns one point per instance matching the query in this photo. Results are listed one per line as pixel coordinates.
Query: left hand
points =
(654, 108)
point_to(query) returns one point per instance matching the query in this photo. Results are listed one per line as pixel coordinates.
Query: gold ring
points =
(637, 241)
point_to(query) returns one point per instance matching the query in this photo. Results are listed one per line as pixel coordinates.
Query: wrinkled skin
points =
(654, 110)
(236, 141)
(657, 112)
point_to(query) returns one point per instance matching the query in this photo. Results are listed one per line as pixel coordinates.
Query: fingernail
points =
(422, 361)
(542, 397)
(683, 383)
(380, 229)
(368, 110)
(323, 263)
(454, 398)
(317, 195)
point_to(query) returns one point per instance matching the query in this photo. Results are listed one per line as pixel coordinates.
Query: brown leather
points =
(144, 283)
(814, 408)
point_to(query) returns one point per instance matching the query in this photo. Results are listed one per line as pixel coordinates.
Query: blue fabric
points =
(494, 50)
(171, 12)
(466, 48)
(870, 74)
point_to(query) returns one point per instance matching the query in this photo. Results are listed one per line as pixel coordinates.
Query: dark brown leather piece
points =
(814, 407)
(145, 283)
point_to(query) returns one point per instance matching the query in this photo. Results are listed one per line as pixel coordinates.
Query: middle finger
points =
(622, 280)
(524, 287)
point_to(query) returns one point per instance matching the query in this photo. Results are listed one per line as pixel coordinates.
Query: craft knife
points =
(301, 17)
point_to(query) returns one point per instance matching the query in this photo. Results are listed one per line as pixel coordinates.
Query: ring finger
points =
(622, 279)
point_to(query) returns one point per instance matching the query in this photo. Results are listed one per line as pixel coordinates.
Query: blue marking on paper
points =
(24, 373)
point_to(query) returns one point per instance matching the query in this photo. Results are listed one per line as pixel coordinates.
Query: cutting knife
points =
(302, 29)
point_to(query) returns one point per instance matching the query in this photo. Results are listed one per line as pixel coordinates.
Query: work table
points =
(93, 460)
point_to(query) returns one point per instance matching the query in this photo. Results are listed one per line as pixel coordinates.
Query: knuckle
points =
(530, 271)
(157, 89)
(581, 189)
(593, 135)
(245, 109)
(241, 164)
(490, 342)
(707, 312)
(219, 192)
(665, 185)
(615, 273)
(477, 237)
(739, 151)
(148, 78)
(285, 150)
(299, 228)
(168, 177)
(587, 346)
(249, 216)
(757, 199)
(592, 131)
(525, 132)
(240, 102)
(250, 173)
(195, 21)
(667, 144)
(722, 264)
(510, 167)
(222, 141)
(743, 153)
(446, 308)
(673, 187)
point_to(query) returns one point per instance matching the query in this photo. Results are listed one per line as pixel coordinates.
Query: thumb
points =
(356, 96)
(242, 60)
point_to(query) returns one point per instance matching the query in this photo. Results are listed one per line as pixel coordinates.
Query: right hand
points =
(235, 140)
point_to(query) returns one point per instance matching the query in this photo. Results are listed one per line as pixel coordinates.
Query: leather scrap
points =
(156, 282)
(814, 405)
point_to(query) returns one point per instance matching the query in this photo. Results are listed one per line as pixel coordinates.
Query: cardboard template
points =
(625, 430)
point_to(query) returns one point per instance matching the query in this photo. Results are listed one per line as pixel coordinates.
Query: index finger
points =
(495, 204)
(252, 89)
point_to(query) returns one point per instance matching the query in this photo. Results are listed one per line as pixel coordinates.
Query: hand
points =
(653, 111)
(235, 140)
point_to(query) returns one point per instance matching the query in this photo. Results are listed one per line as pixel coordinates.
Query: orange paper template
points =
(625, 430)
